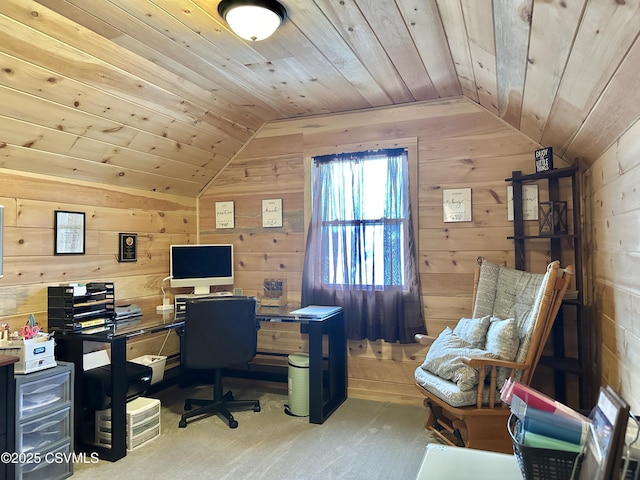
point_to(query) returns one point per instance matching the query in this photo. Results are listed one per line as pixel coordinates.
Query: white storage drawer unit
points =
(42, 432)
(143, 423)
(44, 421)
(48, 470)
(40, 391)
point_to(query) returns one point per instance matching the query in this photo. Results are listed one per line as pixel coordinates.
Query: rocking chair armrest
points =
(476, 362)
(423, 339)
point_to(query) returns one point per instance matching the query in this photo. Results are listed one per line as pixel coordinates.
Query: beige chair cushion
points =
(507, 293)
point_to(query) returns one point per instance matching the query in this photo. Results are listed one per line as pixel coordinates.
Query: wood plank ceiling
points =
(159, 95)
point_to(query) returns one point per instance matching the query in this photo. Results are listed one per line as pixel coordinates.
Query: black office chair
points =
(219, 332)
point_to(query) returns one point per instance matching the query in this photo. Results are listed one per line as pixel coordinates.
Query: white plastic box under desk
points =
(143, 423)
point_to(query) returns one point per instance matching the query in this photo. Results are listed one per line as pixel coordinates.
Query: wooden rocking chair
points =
(473, 416)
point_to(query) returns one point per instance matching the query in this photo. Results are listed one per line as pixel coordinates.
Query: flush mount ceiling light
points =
(252, 19)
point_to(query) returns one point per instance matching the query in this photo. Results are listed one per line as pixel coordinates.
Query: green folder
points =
(541, 441)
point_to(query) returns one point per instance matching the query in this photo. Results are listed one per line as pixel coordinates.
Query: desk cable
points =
(166, 337)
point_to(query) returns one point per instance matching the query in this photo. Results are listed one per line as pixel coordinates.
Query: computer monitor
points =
(201, 266)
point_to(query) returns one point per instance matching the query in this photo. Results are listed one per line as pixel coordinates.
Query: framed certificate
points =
(69, 233)
(224, 215)
(456, 205)
(272, 213)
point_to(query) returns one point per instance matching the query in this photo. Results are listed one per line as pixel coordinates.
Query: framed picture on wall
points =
(456, 205)
(69, 233)
(272, 213)
(224, 215)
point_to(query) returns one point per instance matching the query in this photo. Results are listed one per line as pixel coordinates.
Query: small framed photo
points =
(128, 247)
(544, 159)
(69, 233)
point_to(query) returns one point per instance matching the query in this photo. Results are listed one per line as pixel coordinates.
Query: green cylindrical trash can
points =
(299, 384)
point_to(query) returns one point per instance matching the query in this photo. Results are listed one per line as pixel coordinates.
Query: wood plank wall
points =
(30, 266)
(613, 215)
(459, 145)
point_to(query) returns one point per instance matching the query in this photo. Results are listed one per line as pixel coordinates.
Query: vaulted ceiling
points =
(159, 94)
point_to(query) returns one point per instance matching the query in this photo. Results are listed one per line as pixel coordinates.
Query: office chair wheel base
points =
(233, 423)
(182, 424)
(187, 406)
(256, 408)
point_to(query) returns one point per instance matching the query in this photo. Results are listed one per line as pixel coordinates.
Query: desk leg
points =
(118, 400)
(337, 362)
(70, 348)
(336, 387)
(316, 399)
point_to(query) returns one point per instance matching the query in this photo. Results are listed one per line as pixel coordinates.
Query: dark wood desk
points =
(327, 386)
(326, 392)
(70, 347)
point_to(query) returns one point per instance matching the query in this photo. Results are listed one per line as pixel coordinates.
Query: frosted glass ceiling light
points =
(252, 20)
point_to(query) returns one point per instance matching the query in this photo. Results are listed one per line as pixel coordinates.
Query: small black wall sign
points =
(544, 159)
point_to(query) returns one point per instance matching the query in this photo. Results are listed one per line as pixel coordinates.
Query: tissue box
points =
(34, 354)
(157, 364)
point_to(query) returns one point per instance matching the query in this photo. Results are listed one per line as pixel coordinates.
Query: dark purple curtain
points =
(360, 251)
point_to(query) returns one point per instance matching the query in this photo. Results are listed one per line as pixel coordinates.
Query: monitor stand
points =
(202, 290)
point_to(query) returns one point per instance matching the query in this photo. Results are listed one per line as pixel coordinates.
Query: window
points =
(360, 250)
(364, 218)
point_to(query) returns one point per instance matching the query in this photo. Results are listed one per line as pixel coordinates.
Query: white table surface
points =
(441, 462)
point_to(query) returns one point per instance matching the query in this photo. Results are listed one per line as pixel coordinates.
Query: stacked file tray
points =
(143, 423)
(71, 310)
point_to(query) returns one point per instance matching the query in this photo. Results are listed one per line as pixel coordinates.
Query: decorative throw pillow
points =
(444, 359)
(503, 340)
(473, 330)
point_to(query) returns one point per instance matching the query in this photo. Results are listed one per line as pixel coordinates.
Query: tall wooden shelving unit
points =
(571, 254)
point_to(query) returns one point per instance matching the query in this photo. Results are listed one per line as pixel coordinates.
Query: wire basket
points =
(542, 463)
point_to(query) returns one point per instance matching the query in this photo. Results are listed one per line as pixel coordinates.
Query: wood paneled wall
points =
(613, 251)
(29, 263)
(459, 145)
